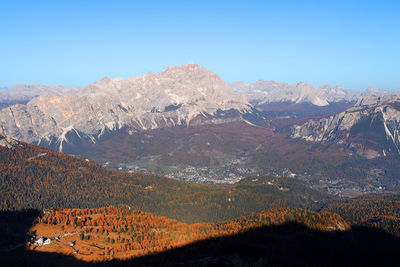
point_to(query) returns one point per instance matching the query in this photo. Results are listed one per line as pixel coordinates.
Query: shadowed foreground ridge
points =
(289, 244)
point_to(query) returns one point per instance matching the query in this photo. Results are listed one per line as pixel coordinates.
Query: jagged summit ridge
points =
(175, 96)
(261, 92)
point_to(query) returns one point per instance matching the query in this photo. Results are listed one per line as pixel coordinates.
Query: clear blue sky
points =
(355, 44)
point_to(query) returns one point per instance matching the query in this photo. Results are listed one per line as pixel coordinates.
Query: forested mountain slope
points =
(36, 177)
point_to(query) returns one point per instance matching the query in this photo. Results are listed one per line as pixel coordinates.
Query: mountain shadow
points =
(289, 244)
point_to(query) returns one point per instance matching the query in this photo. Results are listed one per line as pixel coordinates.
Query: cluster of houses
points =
(42, 241)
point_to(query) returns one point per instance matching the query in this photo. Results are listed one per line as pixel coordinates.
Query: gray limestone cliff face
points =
(8, 142)
(385, 109)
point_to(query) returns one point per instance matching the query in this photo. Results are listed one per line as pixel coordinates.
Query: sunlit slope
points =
(35, 177)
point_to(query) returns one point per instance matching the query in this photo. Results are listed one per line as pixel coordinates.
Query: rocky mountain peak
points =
(375, 91)
(105, 79)
(261, 92)
(373, 118)
(380, 99)
(368, 100)
(303, 84)
(175, 96)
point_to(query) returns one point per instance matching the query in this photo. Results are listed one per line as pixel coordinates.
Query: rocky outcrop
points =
(375, 91)
(8, 142)
(179, 95)
(371, 117)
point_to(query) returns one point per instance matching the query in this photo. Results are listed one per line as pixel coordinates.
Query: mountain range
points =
(296, 156)
(187, 123)
(178, 96)
(264, 92)
(370, 128)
